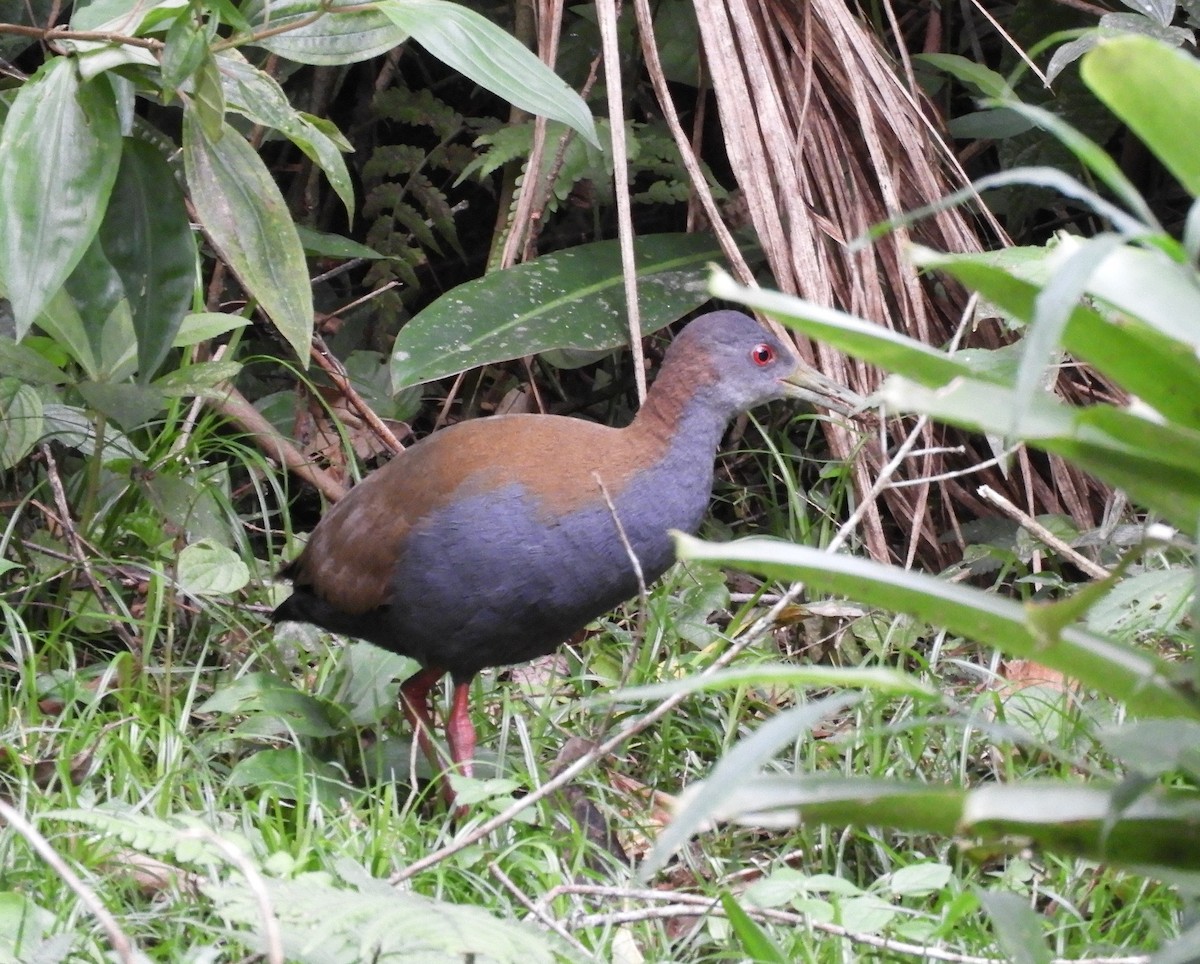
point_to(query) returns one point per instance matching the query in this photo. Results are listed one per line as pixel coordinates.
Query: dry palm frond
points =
(827, 140)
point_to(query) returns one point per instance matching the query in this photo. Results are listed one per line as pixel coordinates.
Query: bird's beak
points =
(810, 385)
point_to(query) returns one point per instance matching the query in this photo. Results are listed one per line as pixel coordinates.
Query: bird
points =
(493, 541)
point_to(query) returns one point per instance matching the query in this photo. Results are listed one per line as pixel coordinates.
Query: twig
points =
(540, 915)
(606, 11)
(75, 542)
(233, 405)
(337, 373)
(254, 880)
(677, 904)
(1035, 528)
(122, 946)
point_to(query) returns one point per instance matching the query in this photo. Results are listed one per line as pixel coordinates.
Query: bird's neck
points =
(680, 407)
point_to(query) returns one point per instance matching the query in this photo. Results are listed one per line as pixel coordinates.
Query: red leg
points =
(460, 732)
(414, 700)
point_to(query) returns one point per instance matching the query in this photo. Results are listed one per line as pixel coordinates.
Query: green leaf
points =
(497, 61)
(201, 326)
(985, 81)
(198, 379)
(209, 569)
(1160, 829)
(570, 299)
(1151, 353)
(742, 763)
(128, 404)
(333, 39)
(1158, 465)
(1131, 674)
(877, 679)
(874, 343)
(20, 421)
(248, 222)
(147, 239)
(27, 364)
(1018, 928)
(325, 245)
(258, 96)
(59, 151)
(1155, 89)
(756, 943)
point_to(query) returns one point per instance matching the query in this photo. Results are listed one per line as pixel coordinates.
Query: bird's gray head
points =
(742, 363)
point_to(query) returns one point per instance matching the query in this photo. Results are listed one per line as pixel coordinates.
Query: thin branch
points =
(1040, 532)
(538, 914)
(122, 946)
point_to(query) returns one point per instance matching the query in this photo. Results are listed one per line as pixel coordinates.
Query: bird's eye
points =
(762, 354)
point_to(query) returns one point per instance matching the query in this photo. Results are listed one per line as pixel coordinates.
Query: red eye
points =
(762, 354)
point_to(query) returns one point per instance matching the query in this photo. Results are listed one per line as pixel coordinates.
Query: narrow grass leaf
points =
(756, 943)
(742, 763)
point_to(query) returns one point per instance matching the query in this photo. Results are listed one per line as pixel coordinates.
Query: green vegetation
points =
(999, 760)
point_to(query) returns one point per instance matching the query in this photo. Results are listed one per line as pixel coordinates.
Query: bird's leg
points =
(414, 701)
(460, 732)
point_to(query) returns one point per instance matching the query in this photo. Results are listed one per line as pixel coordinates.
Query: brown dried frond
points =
(827, 139)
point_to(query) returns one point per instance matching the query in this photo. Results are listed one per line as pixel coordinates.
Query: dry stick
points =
(234, 406)
(124, 948)
(254, 880)
(75, 542)
(1035, 528)
(689, 904)
(337, 373)
(538, 913)
(645, 24)
(607, 12)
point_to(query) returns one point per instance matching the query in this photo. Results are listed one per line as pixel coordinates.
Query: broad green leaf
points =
(73, 427)
(570, 299)
(207, 104)
(293, 711)
(290, 774)
(1157, 464)
(201, 326)
(744, 762)
(61, 321)
(1159, 829)
(874, 343)
(332, 39)
(147, 238)
(186, 48)
(59, 151)
(494, 59)
(20, 421)
(247, 220)
(128, 404)
(1151, 354)
(1131, 674)
(1155, 89)
(258, 96)
(30, 366)
(198, 379)
(208, 569)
